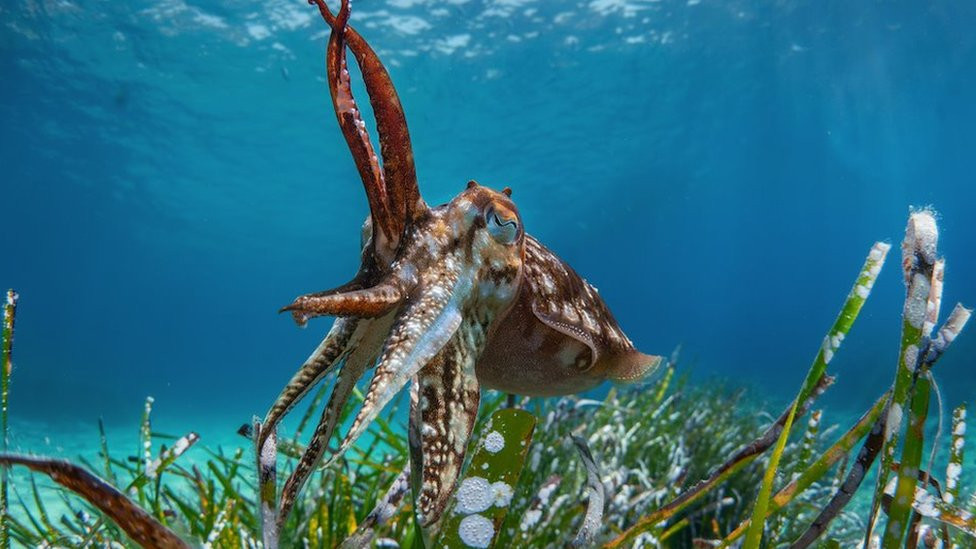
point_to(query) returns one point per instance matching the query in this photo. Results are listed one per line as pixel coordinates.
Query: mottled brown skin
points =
(452, 298)
(137, 523)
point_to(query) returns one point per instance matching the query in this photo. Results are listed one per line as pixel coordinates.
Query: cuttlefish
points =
(452, 299)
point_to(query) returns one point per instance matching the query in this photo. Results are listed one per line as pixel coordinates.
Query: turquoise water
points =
(171, 173)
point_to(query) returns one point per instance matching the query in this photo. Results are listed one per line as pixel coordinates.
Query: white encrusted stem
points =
(220, 522)
(169, 455)
(934, 508)
(267, 457)
(596, 494)
(386, 507)
(935, 298)
(956, 448)
(918, 263)
(9, 313)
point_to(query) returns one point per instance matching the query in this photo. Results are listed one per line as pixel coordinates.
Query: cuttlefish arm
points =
(323, 360)
(420, 331)
(427, 321)
(358, 361)
(360, 305)
(449, 396)
(370, 302)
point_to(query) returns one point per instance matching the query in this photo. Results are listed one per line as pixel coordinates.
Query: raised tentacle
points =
(360, 360)
(386, 229)
(419, 333)
(449, 398)
(335, 346)
(366, 303)
(396, 180)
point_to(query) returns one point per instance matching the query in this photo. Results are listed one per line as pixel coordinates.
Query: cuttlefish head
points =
(487, 229)
(476, 240)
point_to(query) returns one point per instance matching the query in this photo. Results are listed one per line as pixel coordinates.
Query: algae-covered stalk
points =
(852, 306)
(918, 408)
(918, 262)
(481, 501)
(819, 468)
(9, 311)
(267, 471)
(957, 444)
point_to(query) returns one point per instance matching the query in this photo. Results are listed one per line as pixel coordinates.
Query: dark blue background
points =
(172, 173)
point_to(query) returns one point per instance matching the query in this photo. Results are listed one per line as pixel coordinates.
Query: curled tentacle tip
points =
(297, 311)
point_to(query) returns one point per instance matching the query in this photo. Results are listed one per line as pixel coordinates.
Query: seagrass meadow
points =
(663, 463)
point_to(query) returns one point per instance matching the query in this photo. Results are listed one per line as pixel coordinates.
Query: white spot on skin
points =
(474, 495)
(476, 531)
(494, 442)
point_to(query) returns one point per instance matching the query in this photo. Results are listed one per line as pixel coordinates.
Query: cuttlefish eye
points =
(503, 229)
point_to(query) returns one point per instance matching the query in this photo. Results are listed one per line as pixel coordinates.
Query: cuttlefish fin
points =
(563, 301)
(632, 366)
(449, 396)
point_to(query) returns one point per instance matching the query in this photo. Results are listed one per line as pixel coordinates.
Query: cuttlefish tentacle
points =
(449, 398)
(334, 347)
(357, 138)
(392, 190)
(360, 360)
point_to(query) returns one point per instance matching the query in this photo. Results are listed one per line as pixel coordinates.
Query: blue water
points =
(171, 173)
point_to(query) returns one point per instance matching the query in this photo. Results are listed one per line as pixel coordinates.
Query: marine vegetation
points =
(458, 300)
